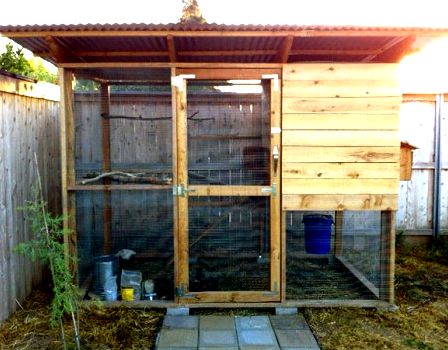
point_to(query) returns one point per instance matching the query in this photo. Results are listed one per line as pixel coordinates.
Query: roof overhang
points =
(168, 44)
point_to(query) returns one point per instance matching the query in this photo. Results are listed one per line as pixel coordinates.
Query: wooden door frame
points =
(180, 182)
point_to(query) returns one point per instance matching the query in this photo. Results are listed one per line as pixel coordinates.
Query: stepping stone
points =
(216, 323)
(296, 339)
(217, 338)
(285, 322)
(187, 322)
(255, 332)
(178, 338)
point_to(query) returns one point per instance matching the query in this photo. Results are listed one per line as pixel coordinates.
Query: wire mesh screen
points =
(229, 243)
(138, 138)
(228, 133)
(141, 221)
(324, 265)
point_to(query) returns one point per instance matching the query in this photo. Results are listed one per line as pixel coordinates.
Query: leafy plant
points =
(14, 61)
(47, 246)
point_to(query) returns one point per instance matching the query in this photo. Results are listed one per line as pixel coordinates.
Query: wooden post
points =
(283, 257)
(175, 205)
(275, 171)
(182, 179)
(387, 260)
(338, 223)
(67, 140)
(106, 167)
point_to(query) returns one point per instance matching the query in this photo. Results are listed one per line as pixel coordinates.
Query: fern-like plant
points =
(47, 247)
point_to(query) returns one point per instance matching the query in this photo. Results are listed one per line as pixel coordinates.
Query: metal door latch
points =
(272, 190)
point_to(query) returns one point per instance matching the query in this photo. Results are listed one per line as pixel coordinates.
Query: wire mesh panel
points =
(138, 137)
(228, 133)
(229, 243)
(346, 264)
(141, 221)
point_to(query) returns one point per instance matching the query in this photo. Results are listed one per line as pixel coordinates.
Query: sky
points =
(431, 13)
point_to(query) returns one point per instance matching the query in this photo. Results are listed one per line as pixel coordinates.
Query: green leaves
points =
(14, 61)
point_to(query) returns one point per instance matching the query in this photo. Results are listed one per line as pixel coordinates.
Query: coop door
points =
(227, 186)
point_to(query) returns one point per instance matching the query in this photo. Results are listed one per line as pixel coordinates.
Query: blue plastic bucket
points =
(317, 233)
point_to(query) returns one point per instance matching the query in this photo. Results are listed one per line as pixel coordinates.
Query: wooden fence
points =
(416, 202)
(29, 123)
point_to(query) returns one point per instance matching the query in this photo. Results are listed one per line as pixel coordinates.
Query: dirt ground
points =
(421, 321)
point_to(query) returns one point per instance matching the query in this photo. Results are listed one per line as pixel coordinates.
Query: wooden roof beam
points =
(171, 49)
(59, 52)
(283, 53)
(391, 43)
(337, 52)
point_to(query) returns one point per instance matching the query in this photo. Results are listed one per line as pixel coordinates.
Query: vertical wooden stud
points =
(67, 139)
(387, 267)
(283, 257)
(275, 171)
(338, 223)
(175, 182)
(106, 167)
(182, 179)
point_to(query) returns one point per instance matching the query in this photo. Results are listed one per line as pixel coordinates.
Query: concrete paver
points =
(188, 322)
(289, 322)
(276, 332)
(181, 337)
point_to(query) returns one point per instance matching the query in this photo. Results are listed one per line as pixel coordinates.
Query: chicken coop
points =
(230, 165)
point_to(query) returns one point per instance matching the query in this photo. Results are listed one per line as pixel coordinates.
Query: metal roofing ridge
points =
(199, 27)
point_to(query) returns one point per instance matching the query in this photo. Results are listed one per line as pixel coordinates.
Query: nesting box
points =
(406, 161)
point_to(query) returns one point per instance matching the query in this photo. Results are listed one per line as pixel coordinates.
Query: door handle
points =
(275, 158)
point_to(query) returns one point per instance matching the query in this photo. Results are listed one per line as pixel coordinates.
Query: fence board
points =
(27, 125)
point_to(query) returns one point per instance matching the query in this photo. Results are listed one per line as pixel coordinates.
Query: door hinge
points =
(181, 292)
(180, 190)
(272, 190)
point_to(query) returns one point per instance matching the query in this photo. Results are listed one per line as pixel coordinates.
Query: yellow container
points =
(127, 293)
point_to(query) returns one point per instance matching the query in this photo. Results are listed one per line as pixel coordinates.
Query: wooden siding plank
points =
(370, 105)
(340, 186)
(340, 170)
(341, 121)
(339, 202)
(340, 71)
(292, 154)
(340, 88)
(340, 138)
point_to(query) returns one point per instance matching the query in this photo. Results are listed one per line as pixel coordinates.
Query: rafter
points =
(391, 43)
(59, 51)
(171, 48)
(285, 50)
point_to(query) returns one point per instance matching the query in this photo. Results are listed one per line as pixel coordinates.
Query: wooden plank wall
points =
(340, 137)
(27, 125)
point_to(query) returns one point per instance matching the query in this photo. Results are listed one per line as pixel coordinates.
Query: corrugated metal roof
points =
(200, 27)
(192, 42)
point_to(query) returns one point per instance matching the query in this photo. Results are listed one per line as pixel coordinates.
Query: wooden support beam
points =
(207, 53)
(106, 167)
(139, 65)
(387, 257)
(391, 43)
(285, 50)
(333, 52)
(59, 51)
(67, 140)
(171, 48)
